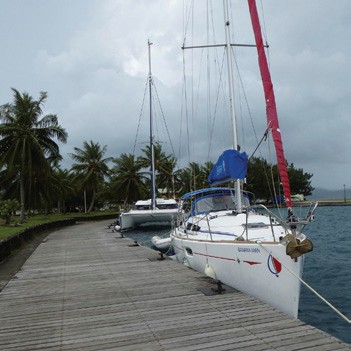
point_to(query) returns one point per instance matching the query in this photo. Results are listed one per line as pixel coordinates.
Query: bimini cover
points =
(232, 164)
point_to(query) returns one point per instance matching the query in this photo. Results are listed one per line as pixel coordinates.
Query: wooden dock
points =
(85, 288)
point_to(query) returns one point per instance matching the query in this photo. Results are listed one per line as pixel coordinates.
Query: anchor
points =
(296, 248)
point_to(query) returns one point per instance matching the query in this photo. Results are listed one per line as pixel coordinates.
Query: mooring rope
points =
(310, 287)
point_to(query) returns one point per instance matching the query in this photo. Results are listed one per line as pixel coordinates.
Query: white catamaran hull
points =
(142, 213)
(263, 271)
(135, 218)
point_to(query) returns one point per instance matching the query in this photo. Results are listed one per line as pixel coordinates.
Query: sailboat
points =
(154, 209)
(220, 233)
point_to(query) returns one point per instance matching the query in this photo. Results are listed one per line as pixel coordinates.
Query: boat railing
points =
(193, 226)
(291, 224)
(311, 210)
(248, 225)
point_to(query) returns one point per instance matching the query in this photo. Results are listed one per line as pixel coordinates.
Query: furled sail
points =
(232, 164)
(272, 116)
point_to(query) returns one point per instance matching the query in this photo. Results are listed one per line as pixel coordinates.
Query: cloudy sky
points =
(91, 58)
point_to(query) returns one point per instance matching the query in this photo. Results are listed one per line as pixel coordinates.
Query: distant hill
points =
(327, 194)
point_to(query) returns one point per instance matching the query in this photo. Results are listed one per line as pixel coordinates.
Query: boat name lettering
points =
(249, 249)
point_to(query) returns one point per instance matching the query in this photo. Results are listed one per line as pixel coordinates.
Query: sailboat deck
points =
(85, 288)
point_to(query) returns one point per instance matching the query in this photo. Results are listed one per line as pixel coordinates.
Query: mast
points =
(231, 97)
(152, 162)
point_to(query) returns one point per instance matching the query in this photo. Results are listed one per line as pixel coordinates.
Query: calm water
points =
(327, 268)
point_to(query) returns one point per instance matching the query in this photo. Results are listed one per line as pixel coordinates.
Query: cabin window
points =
(189, 251)
(193, 227)
(142, 207)
(214, 203)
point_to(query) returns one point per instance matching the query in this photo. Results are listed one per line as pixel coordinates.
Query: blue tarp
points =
(232, 164)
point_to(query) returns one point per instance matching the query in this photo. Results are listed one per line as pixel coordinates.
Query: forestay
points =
(272, 116)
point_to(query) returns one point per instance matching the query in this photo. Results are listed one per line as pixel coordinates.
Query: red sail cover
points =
(272, 116)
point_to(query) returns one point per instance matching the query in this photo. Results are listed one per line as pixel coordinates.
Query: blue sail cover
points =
(232, 164)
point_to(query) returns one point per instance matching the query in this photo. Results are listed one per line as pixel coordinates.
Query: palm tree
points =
(205, 172)
(26, 141)
(166, 175)
(91, 167)
(129, 182)
(159, 155)
(164, 166)
(64, 187)
(193, 177)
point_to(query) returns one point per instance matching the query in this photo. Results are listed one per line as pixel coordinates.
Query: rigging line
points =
(220, 69)
(270, 183)
(220, 85)
(182, 108)
(140, 115)
(245, 96)
(184, 91)
(233, 25)
(264, 138)
(195, 111)
(208, 102)
(244, 92)
(213, 25)
(264, 33)
(273, 190)
(264, 28)
(250, 115)
(192, 88)
(195, 106)
(211, 28)
(309, 287)
(186, 111)
(163, 117)
(241, 114)
(209, 10)
(187, 12)
(271, 186)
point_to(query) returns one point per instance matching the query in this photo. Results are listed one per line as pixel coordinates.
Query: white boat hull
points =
(135, 218)
(260, 270)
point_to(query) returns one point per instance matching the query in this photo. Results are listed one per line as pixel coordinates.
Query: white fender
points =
(209, 271)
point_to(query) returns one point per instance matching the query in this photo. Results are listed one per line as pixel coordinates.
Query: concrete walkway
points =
(85, 288)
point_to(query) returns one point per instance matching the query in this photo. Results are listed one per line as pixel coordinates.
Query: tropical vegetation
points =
(32, 180)
(27, 147)
(90, 168)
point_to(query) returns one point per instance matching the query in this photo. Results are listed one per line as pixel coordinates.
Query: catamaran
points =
(154, 209)
(220, 233)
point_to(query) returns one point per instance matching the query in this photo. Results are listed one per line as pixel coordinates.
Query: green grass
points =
(33, 220)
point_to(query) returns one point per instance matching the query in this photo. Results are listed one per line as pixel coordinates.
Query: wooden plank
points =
(85, 288)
